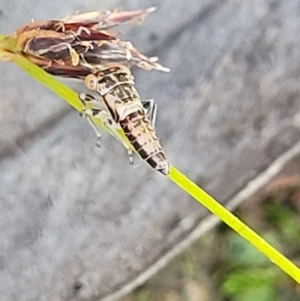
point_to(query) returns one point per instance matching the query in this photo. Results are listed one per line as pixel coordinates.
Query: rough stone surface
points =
(77, 222)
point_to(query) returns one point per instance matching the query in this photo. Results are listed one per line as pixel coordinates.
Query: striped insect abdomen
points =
(144, 140)
(116, 86)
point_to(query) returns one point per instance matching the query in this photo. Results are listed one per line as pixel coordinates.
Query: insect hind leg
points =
(99, 111)
(88, 113)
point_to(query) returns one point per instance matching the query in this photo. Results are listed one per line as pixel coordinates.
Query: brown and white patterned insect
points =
(115, 84)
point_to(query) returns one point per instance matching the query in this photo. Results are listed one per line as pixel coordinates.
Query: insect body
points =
(115, 84)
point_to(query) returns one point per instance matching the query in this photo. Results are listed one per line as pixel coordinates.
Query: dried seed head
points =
(80, 43)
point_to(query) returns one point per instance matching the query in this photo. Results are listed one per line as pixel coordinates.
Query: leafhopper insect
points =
(115, 85)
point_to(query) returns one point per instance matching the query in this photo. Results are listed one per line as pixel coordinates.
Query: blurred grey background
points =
(77, 222)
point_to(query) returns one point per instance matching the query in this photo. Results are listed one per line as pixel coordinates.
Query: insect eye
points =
(91, 82)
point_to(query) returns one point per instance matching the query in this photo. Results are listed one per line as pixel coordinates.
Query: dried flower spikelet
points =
(127, 48)
(35, 25)
(137, 17)
(108, 19)
(74, 57)
(81, 43)
(78, 17)
(159, 67)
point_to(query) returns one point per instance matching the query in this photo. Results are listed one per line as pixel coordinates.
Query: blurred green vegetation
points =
(221, 266)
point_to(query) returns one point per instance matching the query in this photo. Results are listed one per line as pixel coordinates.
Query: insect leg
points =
(88, 113)
(98, 110)
(150, 109)
(114, 129)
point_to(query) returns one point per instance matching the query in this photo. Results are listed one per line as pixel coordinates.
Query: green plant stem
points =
(70, 96)
(233, 222)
